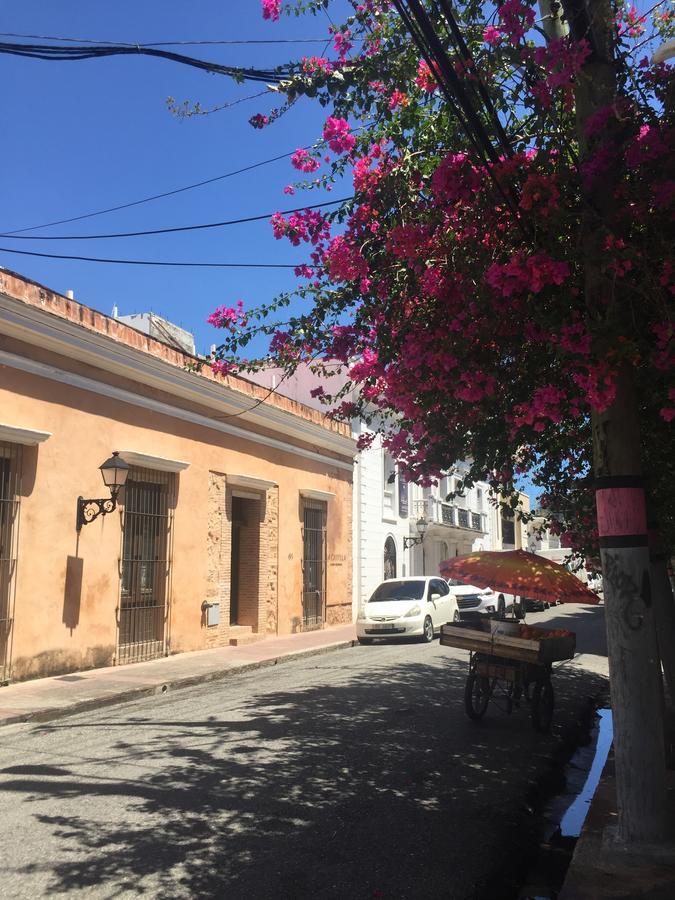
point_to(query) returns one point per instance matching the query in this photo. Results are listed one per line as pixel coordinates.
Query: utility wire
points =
(201, 227)
(50, 37)
(53, 52)
(421, 29)
(147, 262)
(478, 85)
(180, 190)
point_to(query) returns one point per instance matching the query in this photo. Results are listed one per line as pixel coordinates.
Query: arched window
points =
(389, 558)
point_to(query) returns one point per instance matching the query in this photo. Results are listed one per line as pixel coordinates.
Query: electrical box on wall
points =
(212, 611)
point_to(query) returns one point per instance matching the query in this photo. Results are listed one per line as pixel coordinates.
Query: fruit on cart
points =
(531, 633)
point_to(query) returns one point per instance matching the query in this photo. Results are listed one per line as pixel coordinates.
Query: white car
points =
(475, 599)
(406, 607)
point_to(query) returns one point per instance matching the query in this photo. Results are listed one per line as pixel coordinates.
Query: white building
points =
(387, 510)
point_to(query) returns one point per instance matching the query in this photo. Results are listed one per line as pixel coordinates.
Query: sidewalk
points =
(63, 695)
(600, 870)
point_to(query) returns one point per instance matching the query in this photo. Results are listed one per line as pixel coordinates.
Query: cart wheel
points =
(543, 702)
(476, 695)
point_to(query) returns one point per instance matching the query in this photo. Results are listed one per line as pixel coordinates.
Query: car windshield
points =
(399, 590)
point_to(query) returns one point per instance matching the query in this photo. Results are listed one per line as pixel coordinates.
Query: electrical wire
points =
(179, 228)
(51, 52)
(236, 42)
(180, 190)
(419, 25)
(148, 262)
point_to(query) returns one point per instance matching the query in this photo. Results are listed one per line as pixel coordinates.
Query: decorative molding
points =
(159, 463)
(50, 332)
(29, 437)
(250, 481)
(43, 370)
(246, 495)
(312, 494)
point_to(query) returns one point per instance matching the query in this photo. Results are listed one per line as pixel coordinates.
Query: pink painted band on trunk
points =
(621, 511)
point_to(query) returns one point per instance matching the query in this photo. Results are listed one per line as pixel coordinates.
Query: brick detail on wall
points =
(218, 561)
(339, 606)
(269, 564)
(258, 560)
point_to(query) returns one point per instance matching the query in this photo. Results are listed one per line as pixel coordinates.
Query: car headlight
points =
(415, 611)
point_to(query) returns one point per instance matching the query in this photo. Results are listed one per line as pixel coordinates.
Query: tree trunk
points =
(664, 610)
(664, 615)
(634, 671)
(622, 526)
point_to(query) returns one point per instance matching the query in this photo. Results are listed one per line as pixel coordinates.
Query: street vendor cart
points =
(509, 664)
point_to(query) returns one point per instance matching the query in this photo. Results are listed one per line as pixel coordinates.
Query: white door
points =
(438, 606)
(448, 608)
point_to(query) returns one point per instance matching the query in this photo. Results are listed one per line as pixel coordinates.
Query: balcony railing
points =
(447, 514)
(440, 513)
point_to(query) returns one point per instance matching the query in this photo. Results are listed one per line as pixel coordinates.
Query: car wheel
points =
(363, 640)
(457, 616)
(476, 696)
(428, 635)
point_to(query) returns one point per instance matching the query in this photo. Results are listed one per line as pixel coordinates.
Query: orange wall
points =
(59, 627)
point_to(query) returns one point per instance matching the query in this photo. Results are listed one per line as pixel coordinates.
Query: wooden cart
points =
(509, 669)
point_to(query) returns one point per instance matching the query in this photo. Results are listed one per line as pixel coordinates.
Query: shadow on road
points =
(377, 786)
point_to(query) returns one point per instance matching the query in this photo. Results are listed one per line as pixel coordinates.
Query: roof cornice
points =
(59, 335)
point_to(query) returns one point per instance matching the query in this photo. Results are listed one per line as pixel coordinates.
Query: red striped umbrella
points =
(520, 573)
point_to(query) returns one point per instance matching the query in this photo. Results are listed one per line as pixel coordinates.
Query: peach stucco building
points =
(235, 521)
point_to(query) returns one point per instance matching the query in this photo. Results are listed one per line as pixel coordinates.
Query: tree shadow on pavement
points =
(364, 786)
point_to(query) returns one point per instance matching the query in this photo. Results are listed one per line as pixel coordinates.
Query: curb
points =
(127, 696)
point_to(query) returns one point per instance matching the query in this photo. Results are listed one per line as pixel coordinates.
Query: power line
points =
(54, 53)
(148, 262)
(50, 37)
(201, 227)
(180, 190)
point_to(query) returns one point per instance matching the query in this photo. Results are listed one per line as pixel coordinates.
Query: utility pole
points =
(620, 496)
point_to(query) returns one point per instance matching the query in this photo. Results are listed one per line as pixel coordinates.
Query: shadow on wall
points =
(373, 784)
(72, 592)
(29, 462)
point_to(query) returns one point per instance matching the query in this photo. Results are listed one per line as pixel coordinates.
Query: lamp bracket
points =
(90, 509)
(411, 542)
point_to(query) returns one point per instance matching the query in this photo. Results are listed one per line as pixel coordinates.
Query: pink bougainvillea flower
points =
(303, 161)
(338, 135)
(398, 98)
(223, 367)
(343, 43)
(228, 317)
(258, 120)
(271, 10)
(492, 35)
(516, 16)
(425, 78)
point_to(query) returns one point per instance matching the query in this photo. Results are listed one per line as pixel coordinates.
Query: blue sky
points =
(83, 136)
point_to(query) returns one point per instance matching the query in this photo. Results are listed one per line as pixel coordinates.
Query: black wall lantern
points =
(422, 526)
(114, 472)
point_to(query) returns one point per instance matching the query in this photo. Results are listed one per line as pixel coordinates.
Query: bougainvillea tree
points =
(503, 277)
(451, 288)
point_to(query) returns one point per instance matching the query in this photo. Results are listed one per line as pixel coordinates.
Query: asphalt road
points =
(350, 775)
